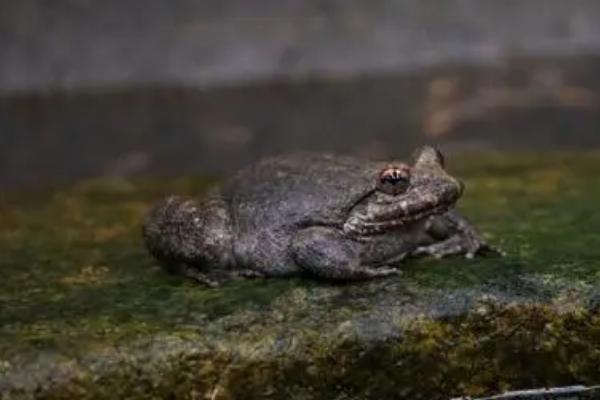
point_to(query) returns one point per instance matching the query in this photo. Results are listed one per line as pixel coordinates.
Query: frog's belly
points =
(268, 251)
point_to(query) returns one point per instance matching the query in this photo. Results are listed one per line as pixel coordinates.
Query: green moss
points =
(86, 313)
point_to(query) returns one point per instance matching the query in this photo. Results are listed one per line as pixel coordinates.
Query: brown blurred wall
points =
(166, 87)
(83, 43)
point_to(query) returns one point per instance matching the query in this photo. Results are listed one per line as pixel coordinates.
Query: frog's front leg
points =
(328, 254)
(452, 234)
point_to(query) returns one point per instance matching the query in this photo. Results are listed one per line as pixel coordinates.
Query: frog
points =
(330, 217)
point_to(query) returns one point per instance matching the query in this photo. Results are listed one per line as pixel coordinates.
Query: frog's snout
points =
(461, 188)
(428, 156)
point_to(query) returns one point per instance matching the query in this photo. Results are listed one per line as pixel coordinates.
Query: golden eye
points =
(393, 176)
(394, 180)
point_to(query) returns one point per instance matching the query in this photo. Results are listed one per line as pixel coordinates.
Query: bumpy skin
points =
(325, 216)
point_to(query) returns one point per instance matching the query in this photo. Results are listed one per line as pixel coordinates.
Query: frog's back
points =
(298, 189)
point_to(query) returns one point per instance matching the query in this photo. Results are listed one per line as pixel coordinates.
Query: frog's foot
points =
(213, 278)
(247, 273)
(196, 275)
(451, 246)
(325, 253)
(459, 237)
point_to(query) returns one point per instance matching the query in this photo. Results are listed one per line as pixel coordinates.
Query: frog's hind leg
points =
(326, 253)
(191, 238)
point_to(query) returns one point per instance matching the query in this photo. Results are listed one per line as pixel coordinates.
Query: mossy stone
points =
(86, 313)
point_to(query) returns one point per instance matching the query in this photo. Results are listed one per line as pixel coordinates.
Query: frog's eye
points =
(394, 180)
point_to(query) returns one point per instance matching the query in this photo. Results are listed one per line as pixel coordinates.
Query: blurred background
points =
(171, 87)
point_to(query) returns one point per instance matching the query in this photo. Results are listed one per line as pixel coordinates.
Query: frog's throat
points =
(414, 206)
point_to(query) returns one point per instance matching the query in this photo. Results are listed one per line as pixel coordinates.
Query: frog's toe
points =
(249, 274)
(487, 249)
(435, 251)
(474, 247)
(473, 244)
(194, 274)
(384, 271)
(451, 246)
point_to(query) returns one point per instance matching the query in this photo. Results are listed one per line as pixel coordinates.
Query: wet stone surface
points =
(86, 313)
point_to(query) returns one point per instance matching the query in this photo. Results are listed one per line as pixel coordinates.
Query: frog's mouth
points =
(381, 217)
